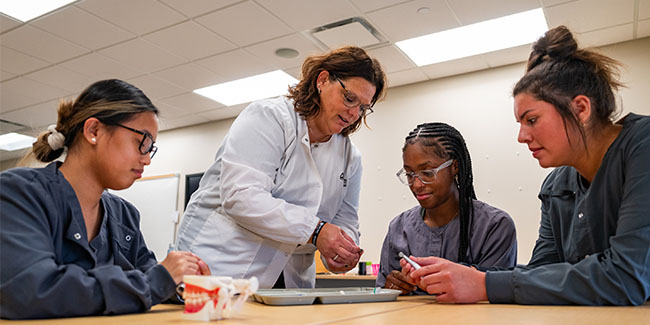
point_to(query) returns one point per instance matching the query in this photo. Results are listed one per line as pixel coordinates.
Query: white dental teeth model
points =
(212, 297)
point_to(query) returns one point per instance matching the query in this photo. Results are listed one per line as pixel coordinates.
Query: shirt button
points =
(77, 236)
(580, 215)
(586, 255)
(128, 237)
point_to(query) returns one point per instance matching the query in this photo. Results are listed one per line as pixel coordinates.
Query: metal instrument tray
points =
(283, 297)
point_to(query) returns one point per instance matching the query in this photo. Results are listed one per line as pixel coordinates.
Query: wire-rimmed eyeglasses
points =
(351, 100)
(426, 176)
(146, 144)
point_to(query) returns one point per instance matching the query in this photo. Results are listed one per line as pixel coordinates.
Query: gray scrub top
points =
(492, 236)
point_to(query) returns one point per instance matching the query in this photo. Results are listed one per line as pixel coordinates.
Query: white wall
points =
(478, 104)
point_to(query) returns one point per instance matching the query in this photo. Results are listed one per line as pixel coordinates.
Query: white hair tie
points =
(56, 139)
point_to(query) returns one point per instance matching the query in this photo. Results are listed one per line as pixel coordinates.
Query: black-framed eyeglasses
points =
(146, 144)
(426, 176)
(351, 100)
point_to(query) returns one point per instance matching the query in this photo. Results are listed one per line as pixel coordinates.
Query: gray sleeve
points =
(499, 247)
(389, 259)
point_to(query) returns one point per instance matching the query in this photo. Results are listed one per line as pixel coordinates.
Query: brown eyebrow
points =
(521, 117)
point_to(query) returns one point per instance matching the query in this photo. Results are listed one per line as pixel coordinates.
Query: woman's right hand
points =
(339, 250)
(180, 263)
(396, 280)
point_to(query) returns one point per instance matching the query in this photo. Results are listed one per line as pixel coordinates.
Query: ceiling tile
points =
(295, 72)
(7, 23)
(266, 50)
(99, 67)
(606, 36)
(223, 112)
(36, 117)
(168, 123)
(141, 55)
(4, 75)
(405, 77)
(308, 17)
(82, 28)
(40, 44)
(18, 63)
(403, 21)
(459, 66)
(472, 11)
(190, 103)
(549, 3)
(391, 59)
(167, 111)
(190, 40)
(235, 65)
(244, 24)
(643, 28)
(371, 5)
(508, 56)
(137, 16)
(155, 87)
(644, 9)
(588, 15)
(58, 76)
(22, 92)
(194, 8)
(190, 76)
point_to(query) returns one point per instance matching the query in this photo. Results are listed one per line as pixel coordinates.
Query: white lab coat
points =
(260, 201)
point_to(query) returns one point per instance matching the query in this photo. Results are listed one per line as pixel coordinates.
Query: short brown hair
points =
(345, 62)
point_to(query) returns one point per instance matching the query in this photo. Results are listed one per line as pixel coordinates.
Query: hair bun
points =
(557, 44)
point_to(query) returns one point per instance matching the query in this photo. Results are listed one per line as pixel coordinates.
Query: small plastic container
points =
(375, 269)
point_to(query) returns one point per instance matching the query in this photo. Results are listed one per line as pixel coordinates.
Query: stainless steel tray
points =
(283, 297)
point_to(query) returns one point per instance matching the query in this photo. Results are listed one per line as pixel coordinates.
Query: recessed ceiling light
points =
(15, 141)
(487, 36)
(25, 10)
(286, 53)
(248, 89)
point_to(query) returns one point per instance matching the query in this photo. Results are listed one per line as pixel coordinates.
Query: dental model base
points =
(212, 297)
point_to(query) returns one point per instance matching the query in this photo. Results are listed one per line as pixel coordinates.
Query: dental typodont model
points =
(212, 297)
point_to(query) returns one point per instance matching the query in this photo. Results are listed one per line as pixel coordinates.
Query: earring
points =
(93, 140)
(318, 90)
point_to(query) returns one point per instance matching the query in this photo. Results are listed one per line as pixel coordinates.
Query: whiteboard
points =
(156, 198)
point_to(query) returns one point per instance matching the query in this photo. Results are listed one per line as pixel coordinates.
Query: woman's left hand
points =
(339, 250)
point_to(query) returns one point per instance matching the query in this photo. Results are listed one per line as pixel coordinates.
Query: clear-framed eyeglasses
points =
(426, 176)
(351, 100)
(146, 144)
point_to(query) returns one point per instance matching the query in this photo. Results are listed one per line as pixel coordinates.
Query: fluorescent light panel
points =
(248, 89)
(25, 10)
(15, 141)
(487, 36)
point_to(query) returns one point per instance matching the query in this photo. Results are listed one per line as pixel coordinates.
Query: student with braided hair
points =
(594, 236)
(449, 221)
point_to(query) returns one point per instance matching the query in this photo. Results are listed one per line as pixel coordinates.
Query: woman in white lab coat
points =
(286, 179)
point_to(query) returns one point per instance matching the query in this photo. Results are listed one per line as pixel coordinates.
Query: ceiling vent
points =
(352, 31)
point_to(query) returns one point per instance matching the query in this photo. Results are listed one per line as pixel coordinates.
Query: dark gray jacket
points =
(594, 239)
(48, 269)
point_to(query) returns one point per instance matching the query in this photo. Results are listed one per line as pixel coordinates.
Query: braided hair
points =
(445, 141)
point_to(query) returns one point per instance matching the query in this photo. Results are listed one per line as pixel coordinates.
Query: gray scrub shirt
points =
(493, 240)
(594, 239)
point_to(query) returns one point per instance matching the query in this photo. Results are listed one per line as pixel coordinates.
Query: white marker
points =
(410, 261)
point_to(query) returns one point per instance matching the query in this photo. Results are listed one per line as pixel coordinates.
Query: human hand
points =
(451, 282)
(339, 250)
(396, 280)
(179, 263)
